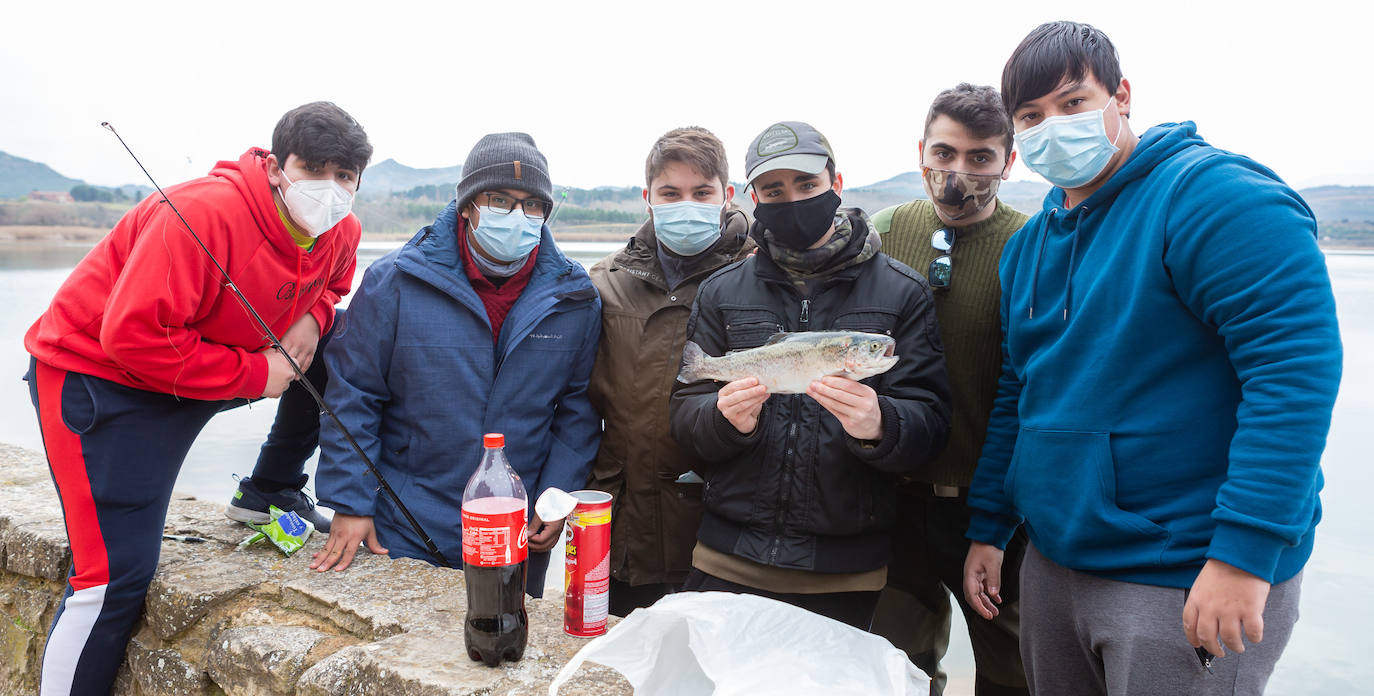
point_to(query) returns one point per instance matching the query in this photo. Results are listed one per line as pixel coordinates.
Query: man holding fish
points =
(799, 501)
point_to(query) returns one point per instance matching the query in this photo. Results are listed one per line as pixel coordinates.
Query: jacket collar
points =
(640, 257)
(434, 257)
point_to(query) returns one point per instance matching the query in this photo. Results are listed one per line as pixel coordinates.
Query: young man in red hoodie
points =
(143, 344)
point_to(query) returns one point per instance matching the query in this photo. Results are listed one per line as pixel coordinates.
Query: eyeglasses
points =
(941, 271)
(533, 208)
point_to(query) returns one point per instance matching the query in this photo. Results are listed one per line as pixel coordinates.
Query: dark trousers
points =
(914, 612)
(853, 608)
(626, 598)
(295, 432)
(114, 453)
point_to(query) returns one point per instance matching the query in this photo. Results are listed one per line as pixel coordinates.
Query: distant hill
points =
(396, 199)
(389, 176)
(1021, 195)
(19, 176)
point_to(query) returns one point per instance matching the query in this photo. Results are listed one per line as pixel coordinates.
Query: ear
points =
(754, 196)
(729, 193)
(838, 186)
(921, 152)
(274, 171)
(1123, 97)
(1006, 171)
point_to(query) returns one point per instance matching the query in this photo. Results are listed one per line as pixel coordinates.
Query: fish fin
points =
(779, 337)
(693, 362)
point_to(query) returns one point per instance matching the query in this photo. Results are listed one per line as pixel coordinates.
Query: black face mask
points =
(799, 224)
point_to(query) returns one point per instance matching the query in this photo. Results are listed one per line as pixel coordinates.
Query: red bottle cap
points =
(491, 440)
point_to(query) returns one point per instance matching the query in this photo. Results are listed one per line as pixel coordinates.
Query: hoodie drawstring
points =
(1073, 256)
(1039, 254)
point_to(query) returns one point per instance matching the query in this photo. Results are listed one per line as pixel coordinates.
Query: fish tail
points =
(693, 363)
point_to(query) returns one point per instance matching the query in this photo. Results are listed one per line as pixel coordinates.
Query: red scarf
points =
(497, 299)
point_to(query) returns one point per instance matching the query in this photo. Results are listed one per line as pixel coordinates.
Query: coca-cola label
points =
(493, 533)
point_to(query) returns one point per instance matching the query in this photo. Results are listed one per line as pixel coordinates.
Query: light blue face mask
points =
(687, 228)
(506, 235)
(1069, 151)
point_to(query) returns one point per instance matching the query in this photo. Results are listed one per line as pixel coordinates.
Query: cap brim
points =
(811, 164)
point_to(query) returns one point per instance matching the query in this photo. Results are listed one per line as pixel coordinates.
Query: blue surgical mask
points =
(687, 228)
(1069, 151)
(506, 235)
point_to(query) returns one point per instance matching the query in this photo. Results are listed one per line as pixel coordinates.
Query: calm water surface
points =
(1329, 652)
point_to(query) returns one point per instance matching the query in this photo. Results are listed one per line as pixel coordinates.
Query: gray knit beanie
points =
(501, 161)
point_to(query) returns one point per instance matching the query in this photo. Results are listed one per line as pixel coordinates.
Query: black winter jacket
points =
(799, 492)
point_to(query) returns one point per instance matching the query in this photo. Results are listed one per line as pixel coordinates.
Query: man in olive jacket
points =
(647, 290)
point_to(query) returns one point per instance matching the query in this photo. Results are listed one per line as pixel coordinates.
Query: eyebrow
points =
(805, 177)
(1071, 87)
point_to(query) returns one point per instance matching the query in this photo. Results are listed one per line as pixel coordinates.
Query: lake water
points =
(1329, 650)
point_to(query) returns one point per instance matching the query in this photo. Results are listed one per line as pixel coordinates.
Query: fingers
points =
(741, 401)
(373, 545)
(1190, 614)
(1207, 629)
(855, 405)
(547, 537)
(1254, 628)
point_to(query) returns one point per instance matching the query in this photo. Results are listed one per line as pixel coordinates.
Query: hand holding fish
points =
(853, 403)
(741, 401)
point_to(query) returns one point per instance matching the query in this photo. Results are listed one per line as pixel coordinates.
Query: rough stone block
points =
(183, 593)
(369, 601)
(37, 549)
(261, 660)
(161, 671)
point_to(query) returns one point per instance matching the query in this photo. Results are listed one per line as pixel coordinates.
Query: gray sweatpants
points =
(1083, 634)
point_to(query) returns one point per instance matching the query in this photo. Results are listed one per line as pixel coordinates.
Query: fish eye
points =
(875, 346)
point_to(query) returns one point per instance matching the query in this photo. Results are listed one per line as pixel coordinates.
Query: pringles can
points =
(587, 576)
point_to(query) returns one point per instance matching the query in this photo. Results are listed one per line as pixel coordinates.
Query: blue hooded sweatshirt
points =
(1170, 361)
(417, 381)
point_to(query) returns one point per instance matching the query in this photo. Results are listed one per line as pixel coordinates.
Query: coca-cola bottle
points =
(494, 553)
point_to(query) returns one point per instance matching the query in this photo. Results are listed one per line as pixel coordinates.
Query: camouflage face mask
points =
(960, 194)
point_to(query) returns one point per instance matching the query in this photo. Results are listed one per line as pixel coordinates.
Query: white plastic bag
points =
(720, 643)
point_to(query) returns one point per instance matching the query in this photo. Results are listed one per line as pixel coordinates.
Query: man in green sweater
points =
(956, 239)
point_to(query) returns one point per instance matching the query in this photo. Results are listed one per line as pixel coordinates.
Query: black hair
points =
(320, 133)
(977, 108)
(1054, 52)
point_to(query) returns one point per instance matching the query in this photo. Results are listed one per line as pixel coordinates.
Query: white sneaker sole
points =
(240, 514)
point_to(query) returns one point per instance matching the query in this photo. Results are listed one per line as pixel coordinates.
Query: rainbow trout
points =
(789, 362)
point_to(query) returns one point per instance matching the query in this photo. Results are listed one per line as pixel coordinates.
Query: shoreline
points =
(39, 235)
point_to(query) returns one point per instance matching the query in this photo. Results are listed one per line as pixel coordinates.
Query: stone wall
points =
(222, 621)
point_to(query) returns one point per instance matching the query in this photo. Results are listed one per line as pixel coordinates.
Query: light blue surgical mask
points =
(1069, 151)
(687, 228)
(506, 235)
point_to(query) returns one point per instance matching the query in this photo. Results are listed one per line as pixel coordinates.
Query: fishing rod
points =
(300, 376)
(557, 208)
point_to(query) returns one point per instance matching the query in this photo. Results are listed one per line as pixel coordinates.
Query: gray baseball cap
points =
(787, 145)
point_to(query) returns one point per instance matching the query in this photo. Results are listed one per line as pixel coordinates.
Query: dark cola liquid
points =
(497, 625)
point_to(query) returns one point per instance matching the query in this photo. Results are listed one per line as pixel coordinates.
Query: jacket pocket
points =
(1064, 483)
(749, 328)
(873, 321)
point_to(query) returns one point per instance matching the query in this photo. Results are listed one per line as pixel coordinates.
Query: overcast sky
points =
(189, 83)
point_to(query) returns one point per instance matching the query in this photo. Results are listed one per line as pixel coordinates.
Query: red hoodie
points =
(147, 309)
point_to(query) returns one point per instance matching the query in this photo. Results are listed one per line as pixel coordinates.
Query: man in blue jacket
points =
(478, 324)
(1171, 360)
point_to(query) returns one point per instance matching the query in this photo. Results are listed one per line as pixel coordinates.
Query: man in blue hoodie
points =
(1170, 363)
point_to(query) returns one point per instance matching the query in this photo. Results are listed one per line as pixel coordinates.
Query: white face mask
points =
(317, 205)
